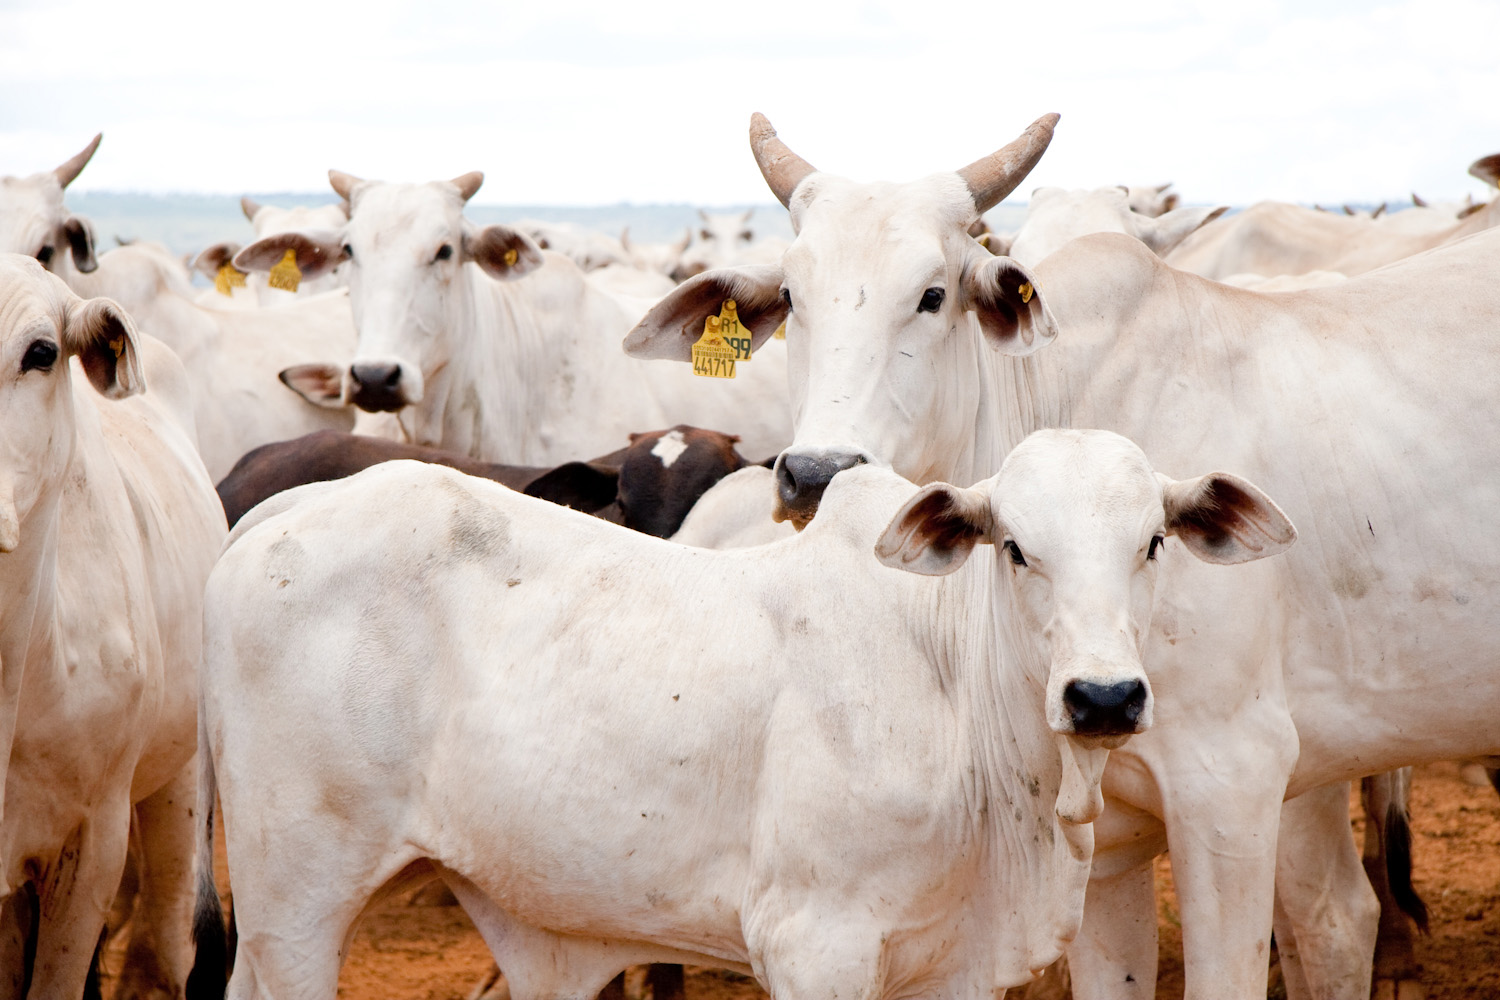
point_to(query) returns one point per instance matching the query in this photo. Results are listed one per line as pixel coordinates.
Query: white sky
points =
(600, 102)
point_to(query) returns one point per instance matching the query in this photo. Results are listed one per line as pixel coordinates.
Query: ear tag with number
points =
(228, 278)
(780, 333)
(286, 275)
(1026, 292)
(713, 355)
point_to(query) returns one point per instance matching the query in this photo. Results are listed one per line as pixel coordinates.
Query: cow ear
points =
(104, 337)
(934, 532)
(210, 259)
(671, 328)
(1008, 306)
(583, 486)
(80, 234)
(1225, 519)
(320, 385)
(1167, 230)
(317, 254)
(505, 254)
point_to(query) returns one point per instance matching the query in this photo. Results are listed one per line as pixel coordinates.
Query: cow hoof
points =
(492, 987)
(1473, 773)
(1398, 989)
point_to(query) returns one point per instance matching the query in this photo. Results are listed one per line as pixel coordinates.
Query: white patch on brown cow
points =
(670, 448)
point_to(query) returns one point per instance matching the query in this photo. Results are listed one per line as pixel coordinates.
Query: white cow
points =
(735, 513)
(269, 220)
(1365, 404)
(108, 528)
(234, 357)
(648, 752)
(34, 221)
(1274, 238)
(493, 348)
(1054, 216)
(1153, 200)
(725, 239)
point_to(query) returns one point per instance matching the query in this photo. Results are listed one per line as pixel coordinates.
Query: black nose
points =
(377, 387)
(801, 479)
(1105, 709)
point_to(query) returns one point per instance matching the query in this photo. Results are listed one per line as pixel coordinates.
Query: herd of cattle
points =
(763, 739)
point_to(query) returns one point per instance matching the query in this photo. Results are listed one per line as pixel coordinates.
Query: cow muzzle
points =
(1103, 709)
(377, 386)
(802, 478)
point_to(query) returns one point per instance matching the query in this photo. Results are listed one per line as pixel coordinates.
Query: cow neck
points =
(1032, 868)
(29, 640)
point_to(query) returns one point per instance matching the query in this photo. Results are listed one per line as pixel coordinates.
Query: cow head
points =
(404, 249)
(717, 242)
(42, 325)
(34, 221)
(1056, 216)
(1081, 522)
(882, 289)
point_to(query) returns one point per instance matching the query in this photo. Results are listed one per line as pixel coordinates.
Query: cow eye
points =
(1156, 544)
(348, 252)
(44, 255)
(1014, 551)
(747, 235)
(786, 298)
(932, 300)
(42, 354)
(444, 252)
(705, 234)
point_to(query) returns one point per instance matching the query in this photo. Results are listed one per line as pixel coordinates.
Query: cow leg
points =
(1331, 913)
(19, 917)
(1223, 843)
(665, 982)
(1294, 983)
(1388, 843)
(75, 893)
(161, 952)
(1114, 954)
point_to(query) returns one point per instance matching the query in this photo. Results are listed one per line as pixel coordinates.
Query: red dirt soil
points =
(413, 952)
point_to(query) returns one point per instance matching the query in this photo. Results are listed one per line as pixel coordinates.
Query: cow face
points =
(42, 325)
(34, 221)
(885, 295)
(404, 249)
(1081, 521)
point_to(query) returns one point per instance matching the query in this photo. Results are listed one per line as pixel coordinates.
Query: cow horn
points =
(992, 178)
(69, 171)
(782, 168)
(468, 183)
(249, 206)
(343, 183)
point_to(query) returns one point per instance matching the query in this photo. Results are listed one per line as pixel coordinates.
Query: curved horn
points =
(343, 183)
(69, 171)
(249, 206)
(782, 168)
(995, 176)
(468, 183)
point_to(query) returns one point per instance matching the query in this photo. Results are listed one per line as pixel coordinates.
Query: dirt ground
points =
(414, 952)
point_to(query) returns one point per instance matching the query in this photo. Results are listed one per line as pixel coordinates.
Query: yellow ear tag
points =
(714, 354)
(780, 333)
(286, 275)
(228, 279)
(1026, 291)
(118, 346)
(511, 257)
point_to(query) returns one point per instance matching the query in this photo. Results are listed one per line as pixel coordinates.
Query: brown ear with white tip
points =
(1224, 519)
(934, 532)
(104, 337)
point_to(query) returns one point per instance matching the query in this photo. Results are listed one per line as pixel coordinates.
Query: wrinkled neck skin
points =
(892, 382)
(1037, 871)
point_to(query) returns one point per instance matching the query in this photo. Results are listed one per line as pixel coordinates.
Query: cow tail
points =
(1396, 835)
(210, 974)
